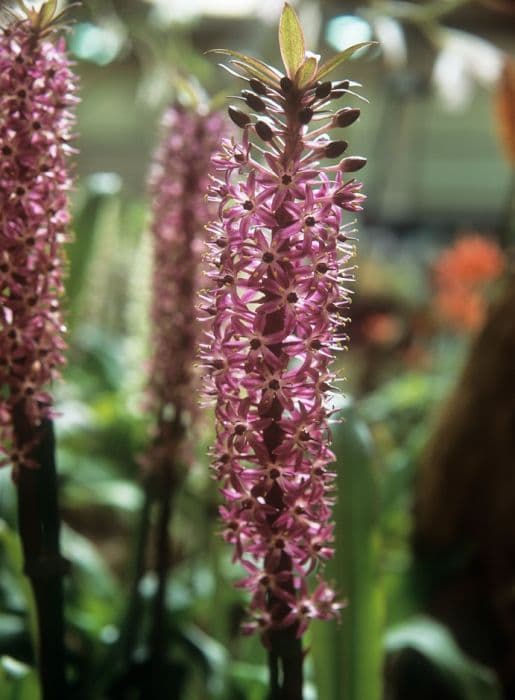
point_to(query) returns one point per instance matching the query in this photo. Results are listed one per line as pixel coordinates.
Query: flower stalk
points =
(178, 182)
(37, 92)
(280, 264)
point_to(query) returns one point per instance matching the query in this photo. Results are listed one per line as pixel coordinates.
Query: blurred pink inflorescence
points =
(279, 254)
(180, 212)
(37, 95)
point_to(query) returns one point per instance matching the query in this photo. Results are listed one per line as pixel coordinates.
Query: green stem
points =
(39, 526)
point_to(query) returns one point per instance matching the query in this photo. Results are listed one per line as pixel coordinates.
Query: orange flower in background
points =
(462, 275)
(472, 260)
(382, 329)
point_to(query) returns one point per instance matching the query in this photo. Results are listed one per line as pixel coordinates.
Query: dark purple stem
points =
(39, 526)
(164, 486)
(286, 656)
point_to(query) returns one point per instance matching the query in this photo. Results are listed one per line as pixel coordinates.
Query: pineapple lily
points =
(280, 255)
(37, 97)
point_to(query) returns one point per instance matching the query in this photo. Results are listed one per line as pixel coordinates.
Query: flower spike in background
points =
(280, 253)
(180, 213)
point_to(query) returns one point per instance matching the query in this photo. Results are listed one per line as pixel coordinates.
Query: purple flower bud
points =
(286, 84)
(352, 164)
(305, 115)
(254, 102)
(240, 118)
(335, 149)
(264, 131)
(258, 86)
(323, 90)
(346, 116)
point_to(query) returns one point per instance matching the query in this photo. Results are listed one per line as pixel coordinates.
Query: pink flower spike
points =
(177, 183)
(37, 101)
(279, 255)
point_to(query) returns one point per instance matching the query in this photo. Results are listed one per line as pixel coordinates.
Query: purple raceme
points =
(180, 212)
(37, 97)
(280, 255)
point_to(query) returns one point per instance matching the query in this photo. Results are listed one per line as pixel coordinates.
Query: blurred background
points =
(426, 453)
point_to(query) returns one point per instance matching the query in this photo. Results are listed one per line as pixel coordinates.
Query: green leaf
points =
(47, 12)
(307, 72)
(12, 627)
(89, 570)
(17, 680)
(348, 657)
(256, 73)
(113, 493)
(291, 41)
(254, 66)
(432, 640)
(11, 561)
(335, 61)
(23, 7)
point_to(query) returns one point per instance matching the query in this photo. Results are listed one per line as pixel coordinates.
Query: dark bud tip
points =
(336, 94)
(352, 164)
(323, 90)
(346, 116)
(258, 86)
(343, 85)
(264, 131)
(254, 102)
(286, 84)
(238, 117)
(305, 115)
(335, 149)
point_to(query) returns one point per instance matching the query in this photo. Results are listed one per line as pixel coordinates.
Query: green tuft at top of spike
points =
(302, 67)
(46, 18)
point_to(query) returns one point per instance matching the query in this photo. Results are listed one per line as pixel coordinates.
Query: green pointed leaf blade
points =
(252, 72)
(252, 65)
(335, 61)
(348, 657)
(47, 12)
(291, 41)
(23, 7)
(17, 680)
(307, 72)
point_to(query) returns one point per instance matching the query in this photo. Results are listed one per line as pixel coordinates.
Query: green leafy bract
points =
(253, 66)
(47, 13)
(335, 61)
(291, 41)
(307, 72)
